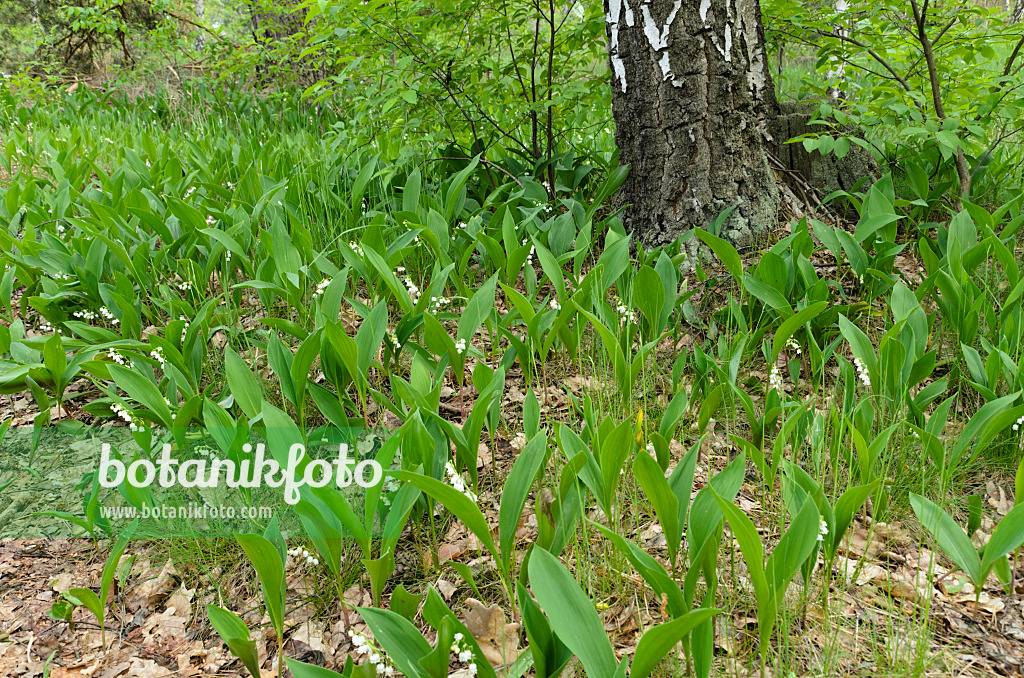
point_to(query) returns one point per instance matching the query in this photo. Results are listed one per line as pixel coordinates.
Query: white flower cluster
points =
(395, 343)
(45, 326)
(862, 372)
(116, 357)
(390, 487)
(456, 481)
(791, 343)
(159, 355)
(211, 220)
(625, 312)
(107, 315)
(414, 292)
(555, 306)
(189, 192)
(85, 315)
(126, 416)
(460, 346)
(303, 554)
(822, 530)
(1016, 425)
(464, 655)
(61, 276)
(439, 303)
(529, 257)
(60, 229)
(357, 248)
(229, 185)
(184, 320)
(321, 286)
(184, 286)
(363, 646)
(775, 379)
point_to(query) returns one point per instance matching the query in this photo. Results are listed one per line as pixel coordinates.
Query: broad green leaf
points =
(572, 614)
(658, 642)
(515, 492)
(1006, 538)
(458, 503)
(403, 643)
(245, 387)
(267, 561)
(143, 391)
(725, 252)
(235, 635)
(949, 535)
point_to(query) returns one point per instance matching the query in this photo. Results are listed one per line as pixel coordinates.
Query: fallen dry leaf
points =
(498, 641)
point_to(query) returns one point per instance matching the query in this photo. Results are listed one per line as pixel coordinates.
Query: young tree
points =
(693, 102)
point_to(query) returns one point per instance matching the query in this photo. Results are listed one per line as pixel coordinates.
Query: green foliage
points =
(574, 619)
(926, 104)
(977, 563)
(771, 578)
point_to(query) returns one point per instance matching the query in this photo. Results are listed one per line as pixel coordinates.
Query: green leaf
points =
(751, 548)
(402, 642)
(244, 386)
(235, 635)
(860, 345)
(725, 252)
(846, 508)
(649, 296)
(110, 567)
(653, 572)
(267, 562)
(791, 325)
(1007, 537)
(456, 502)
(552, 269)
(550, 655)
(515, 492)
(949, 535)
(86, 598)
(572, 614)
(666, 505)
(143, 391)
(792, 549)
(615, 448)
(768, 295)
(658, 642)
(477, 309)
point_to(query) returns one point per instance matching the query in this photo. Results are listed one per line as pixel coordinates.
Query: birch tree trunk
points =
(693, 102)
(200, 7)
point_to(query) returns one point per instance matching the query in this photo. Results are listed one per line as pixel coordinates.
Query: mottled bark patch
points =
(692, 99)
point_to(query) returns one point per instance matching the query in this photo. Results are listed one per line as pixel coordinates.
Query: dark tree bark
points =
(693, 102)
